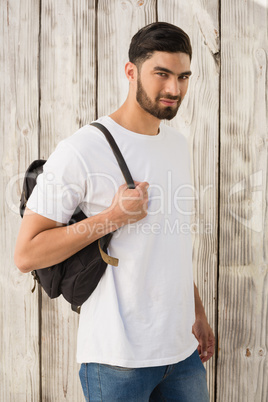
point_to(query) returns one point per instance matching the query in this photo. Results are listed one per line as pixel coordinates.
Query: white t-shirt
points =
(141, 313)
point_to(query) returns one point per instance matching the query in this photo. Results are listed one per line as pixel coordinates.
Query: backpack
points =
(77, 276)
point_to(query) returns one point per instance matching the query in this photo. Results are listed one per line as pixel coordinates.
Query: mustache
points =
(167, 96)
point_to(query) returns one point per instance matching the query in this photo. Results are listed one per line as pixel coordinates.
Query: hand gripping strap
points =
(104, 241)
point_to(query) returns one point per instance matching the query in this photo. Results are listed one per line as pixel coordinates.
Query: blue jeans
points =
(181, 382)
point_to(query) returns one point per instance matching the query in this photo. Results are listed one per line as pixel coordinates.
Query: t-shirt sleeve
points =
(62, 185)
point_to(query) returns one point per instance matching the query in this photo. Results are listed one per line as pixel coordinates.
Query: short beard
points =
(145, 103)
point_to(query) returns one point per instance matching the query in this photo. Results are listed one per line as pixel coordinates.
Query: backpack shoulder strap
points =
(117, 153)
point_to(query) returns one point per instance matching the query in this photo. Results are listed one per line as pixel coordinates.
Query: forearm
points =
(202, 330)
(199, 308)
(43, 242)
(54, 245)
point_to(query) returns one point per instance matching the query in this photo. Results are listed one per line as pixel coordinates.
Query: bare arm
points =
(43, 242)
(202, 331)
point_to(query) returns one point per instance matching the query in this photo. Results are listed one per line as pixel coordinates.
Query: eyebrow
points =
(166, 70)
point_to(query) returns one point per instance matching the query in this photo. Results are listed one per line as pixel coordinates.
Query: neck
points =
(132, 117)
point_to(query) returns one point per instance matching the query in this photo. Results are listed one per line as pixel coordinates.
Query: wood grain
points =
(198, 120)
(74, 88)
(19, 379)
(67, 85)
(118, 21)
(243, 274)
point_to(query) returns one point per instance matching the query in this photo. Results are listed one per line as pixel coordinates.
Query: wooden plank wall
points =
(61, 66)
(67, 82)
(243, 247)
(19, 119)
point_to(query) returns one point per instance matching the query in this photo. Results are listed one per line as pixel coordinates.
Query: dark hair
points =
(158, 36)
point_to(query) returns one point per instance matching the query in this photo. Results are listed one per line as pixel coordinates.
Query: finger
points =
(204, 346)
(211, 343)
(123, 187)
(142, 184)
(145, 206)
(143, 187)
(205, 359)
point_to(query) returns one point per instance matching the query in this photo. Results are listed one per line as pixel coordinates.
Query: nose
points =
(173, 87)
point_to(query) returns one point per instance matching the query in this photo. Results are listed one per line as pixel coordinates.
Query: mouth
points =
(168, 102)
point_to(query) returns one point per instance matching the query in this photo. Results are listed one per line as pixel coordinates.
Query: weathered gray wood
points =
(243, 275)
(198, 120)
(67, 102)
(19, 351)
(118, 21)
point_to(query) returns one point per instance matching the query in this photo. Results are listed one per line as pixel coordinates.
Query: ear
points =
(130, 71)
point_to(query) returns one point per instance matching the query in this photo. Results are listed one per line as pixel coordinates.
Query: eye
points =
(162, 74)
(184, 77)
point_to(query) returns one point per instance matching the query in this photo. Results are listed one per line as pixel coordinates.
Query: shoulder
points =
(72, 151)
(85, 138)
(82, 136)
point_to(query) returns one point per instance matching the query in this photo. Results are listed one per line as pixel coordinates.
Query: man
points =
(137, 332)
